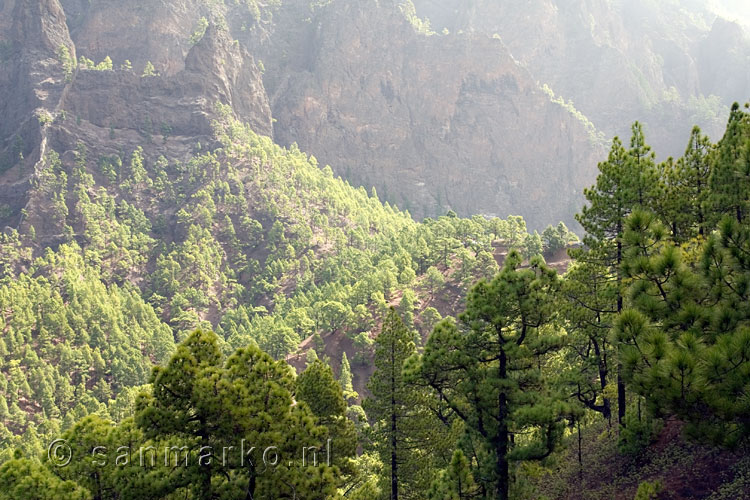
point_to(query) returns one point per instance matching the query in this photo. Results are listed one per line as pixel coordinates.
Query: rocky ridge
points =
(472, 113)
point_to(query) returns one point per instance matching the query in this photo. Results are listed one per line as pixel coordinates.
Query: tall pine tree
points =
(395, 409)
(731, 170)
(492, 369)
(626, 181)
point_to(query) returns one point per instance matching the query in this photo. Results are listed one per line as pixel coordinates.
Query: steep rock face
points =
(157, 31)
(619, 61)
(220, 69)
(436, 122)
(181, 106)
(458, 120)
(33, 81)
(192, 76)
(52, 103)
(724, 51)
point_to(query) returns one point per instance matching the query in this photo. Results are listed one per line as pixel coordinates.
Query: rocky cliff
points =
(51, 102)
(491, 109)
(433, 122)
(670, 64)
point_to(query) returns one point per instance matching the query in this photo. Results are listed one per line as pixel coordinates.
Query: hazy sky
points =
(738, 10)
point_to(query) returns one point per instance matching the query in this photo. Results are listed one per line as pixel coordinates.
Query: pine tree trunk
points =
(621, 404)
(394, 457)
(501, 444)
(603, 373)
(394, 461)
(580, 451)
(620, 397)
(250, 493)
(205, 471)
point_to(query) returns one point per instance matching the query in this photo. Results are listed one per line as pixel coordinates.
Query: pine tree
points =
(731, 170)
(455, 483)
(430, 317)
(203, 402)
(27, 479)
(345, 379)
(490, 369)
(694, 173)
(149, 70)
(687, 334)
(317, 387)
(311, 357)
(587, 305)
(627, 180)
(552, 239)
(533, 245)
(435, 280)
(394, 408)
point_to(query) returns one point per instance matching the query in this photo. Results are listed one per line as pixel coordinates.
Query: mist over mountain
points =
(669, 64)
(480, 107)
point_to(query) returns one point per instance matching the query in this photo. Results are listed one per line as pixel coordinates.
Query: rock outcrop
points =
(433, 122)
(40, 92)
(123, 103)
(33, 81)
(51, 102)
(33, 84)
(467, 117)
(620, 61)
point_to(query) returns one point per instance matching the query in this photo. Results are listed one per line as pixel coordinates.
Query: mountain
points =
(479, 107)
(141, 200)
(181, 268)
(619, 61)
(433, 121)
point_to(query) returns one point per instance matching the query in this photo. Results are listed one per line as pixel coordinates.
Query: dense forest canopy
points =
(190, 310)
(649, 323)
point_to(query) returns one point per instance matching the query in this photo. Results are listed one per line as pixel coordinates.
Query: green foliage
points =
(492, 369)
(23, 478)
(421, 26)
(200, 400)
(649, 490)
(400, 421)
(534, 245)
(317, 387)
(684, 205)
(455, 483)
(731, 170)
(199, 31)
(120, 256)
(73, 319)
(345, 379)
(149, 70)
(555, 238)
(627, 180)
(637, 434)
(88, 64)
(105, 65)
(67, 60)
(686, 334)
(595, 136)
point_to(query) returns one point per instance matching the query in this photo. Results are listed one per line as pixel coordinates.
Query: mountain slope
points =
(620, 61)
(434, 122)
(139, 207)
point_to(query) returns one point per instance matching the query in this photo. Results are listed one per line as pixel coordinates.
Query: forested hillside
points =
(190, 310)
(644, 338)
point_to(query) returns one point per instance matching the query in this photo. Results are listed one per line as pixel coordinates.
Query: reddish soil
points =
(449, 301)
(685, 469)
